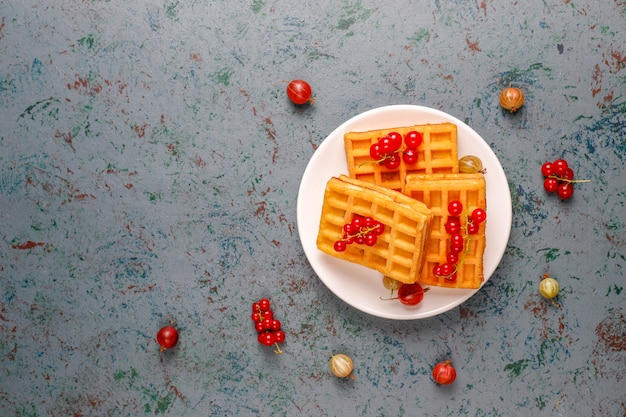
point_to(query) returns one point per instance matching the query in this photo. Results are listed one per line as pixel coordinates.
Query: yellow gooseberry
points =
(511, 98)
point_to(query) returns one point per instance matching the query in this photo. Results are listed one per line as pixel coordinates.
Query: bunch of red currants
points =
(361, 230)
(268, 328)
(386, 151)
(458, 242)
(559, 178)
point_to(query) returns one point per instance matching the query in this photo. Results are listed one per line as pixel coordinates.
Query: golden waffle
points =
(436, 191)
(437, 154)
(399, 250)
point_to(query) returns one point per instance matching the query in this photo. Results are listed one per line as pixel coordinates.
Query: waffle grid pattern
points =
(437, 154)
(398, 252)
(436, 191)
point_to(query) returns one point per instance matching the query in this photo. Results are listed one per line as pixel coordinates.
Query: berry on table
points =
(268, 328)
(300, 92)
(559, 178)
(167, 337)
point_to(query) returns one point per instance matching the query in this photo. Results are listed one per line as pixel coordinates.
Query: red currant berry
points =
(547, 169)
(447, 269)
(280, 336)
(349, 228)
(267, 338)
(359, 240)
(409, 156)
(357, 223)
(256, 307)
(559, 167)
(472, 228)
(455, 208)
(379, 228)
(413, 139)
(387, 145)
(456, 249)
(568, 174)
(565, 190)
(453, 225)
(258, 326)
(478, 215)
(267, 315)
(256, 317)
(452, 258)
(375, 152)
(370, 239)
(392, 161)
(266, 323)
(340, 246)
(456, 239)
(275, 325)
(369, 222)
(550, 184)
(264, 304)
(396, 140)
(437, 271)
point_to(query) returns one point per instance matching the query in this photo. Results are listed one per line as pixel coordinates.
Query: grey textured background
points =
(149, 169)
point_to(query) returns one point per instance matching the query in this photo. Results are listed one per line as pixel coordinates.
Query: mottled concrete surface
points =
(149, 169)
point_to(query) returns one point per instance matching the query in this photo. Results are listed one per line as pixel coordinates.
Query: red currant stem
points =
(364, 231)
(378, 161)
(277, 350)
(566, 180)
(260, 314)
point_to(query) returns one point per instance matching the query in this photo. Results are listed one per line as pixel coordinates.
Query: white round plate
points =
(362, 287)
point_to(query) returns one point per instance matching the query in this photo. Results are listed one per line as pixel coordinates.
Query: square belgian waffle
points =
(399, 250)
(436, 191)
(437, 154)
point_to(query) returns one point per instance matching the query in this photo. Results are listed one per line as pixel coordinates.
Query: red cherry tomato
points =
(167, 337)
(444, 373)
(299, 92)
(410, 294)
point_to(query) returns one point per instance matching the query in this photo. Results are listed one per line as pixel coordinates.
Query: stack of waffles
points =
(412, 202)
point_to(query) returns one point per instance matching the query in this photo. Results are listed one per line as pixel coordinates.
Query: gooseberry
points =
(410, 294)
(470, 164)
(511, 98)
(444, 373)
(300, 92)
(341, 366)
(167, 337)
(549, 288)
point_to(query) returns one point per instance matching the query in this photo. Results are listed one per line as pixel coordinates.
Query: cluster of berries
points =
(361, 230)
(459, 238)
(267, 327)
(559, 178)
(387, 150)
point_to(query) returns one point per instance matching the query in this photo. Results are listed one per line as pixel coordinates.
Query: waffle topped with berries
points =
(375, 227)
(453, 199)
(436, 153)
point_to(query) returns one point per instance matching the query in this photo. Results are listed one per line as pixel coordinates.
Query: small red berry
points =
(264, 304)
(455, 208)
(550, 184)
(167, 337)
(559, 167)
(565, 190)
(547, 169)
